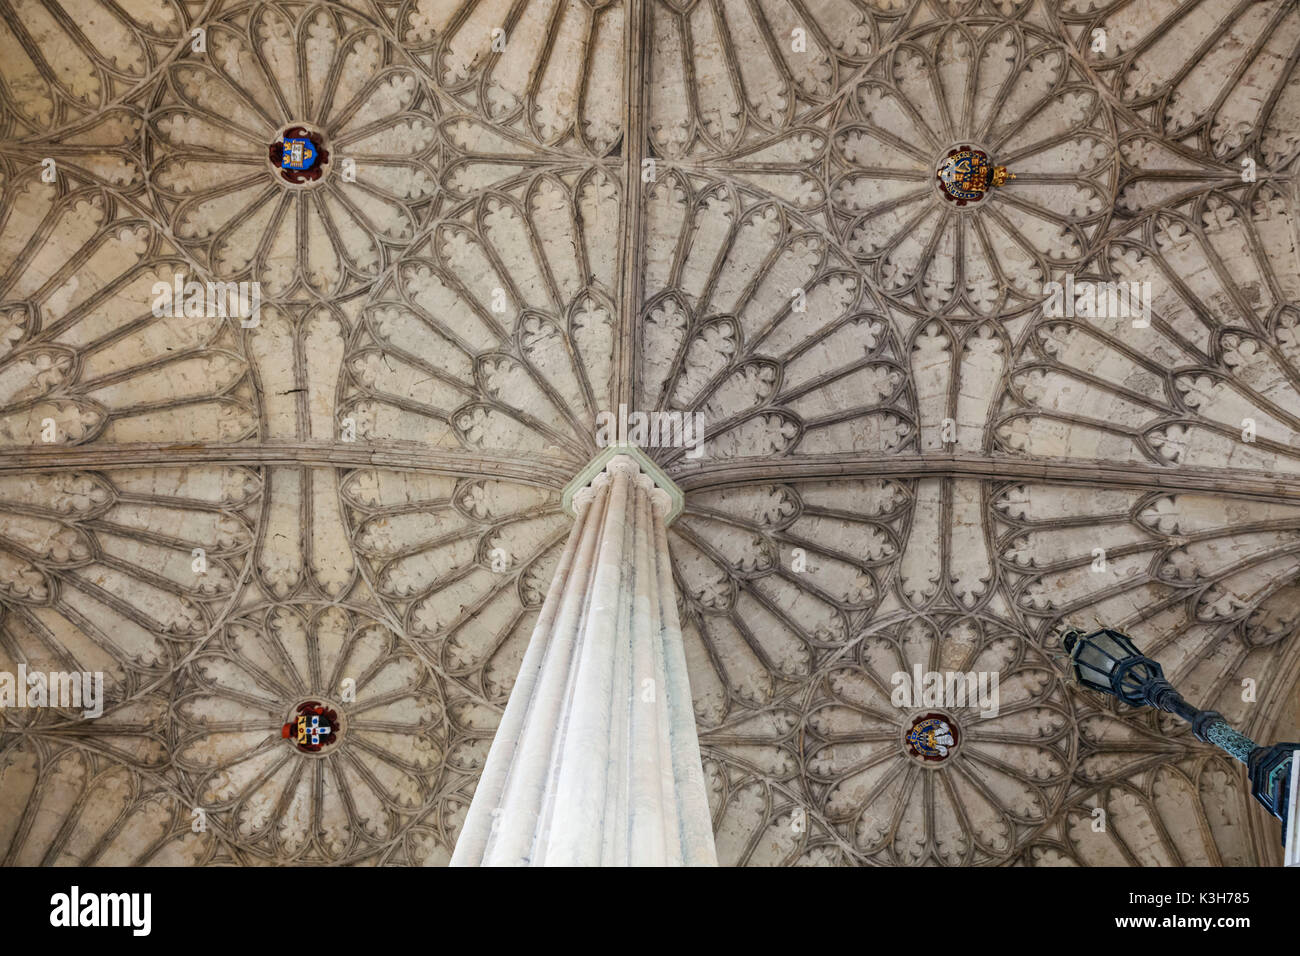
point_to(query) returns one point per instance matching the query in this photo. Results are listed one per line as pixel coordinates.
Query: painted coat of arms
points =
(966, 174)
(313, 728)
(932, 737)
(300, 155)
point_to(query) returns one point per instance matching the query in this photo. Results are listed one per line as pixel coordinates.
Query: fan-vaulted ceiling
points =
(518, 244)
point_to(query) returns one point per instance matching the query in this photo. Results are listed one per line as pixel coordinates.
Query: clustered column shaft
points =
(596, 761)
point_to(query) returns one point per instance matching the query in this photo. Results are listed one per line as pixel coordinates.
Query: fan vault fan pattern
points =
(535, 210)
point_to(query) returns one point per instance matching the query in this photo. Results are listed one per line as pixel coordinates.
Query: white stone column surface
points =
(596, 761)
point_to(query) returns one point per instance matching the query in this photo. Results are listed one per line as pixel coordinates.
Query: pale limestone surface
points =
(596, 761)
(505, 266)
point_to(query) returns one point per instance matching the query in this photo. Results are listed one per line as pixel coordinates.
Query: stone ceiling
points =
(504, 244)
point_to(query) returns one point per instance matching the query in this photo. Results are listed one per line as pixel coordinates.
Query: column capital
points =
(631, 457)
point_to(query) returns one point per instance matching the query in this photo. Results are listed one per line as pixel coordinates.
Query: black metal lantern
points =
(1108, 661)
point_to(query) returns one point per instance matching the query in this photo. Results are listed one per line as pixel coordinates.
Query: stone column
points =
(596, 761)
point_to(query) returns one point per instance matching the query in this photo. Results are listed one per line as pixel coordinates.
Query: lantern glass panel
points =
(1089, 655)
(1114, 644)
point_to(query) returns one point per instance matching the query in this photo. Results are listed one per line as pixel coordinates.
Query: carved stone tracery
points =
(906, 458)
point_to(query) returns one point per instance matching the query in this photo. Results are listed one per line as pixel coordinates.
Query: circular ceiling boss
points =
(967, 174)
(932, 737)
(299, 155)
